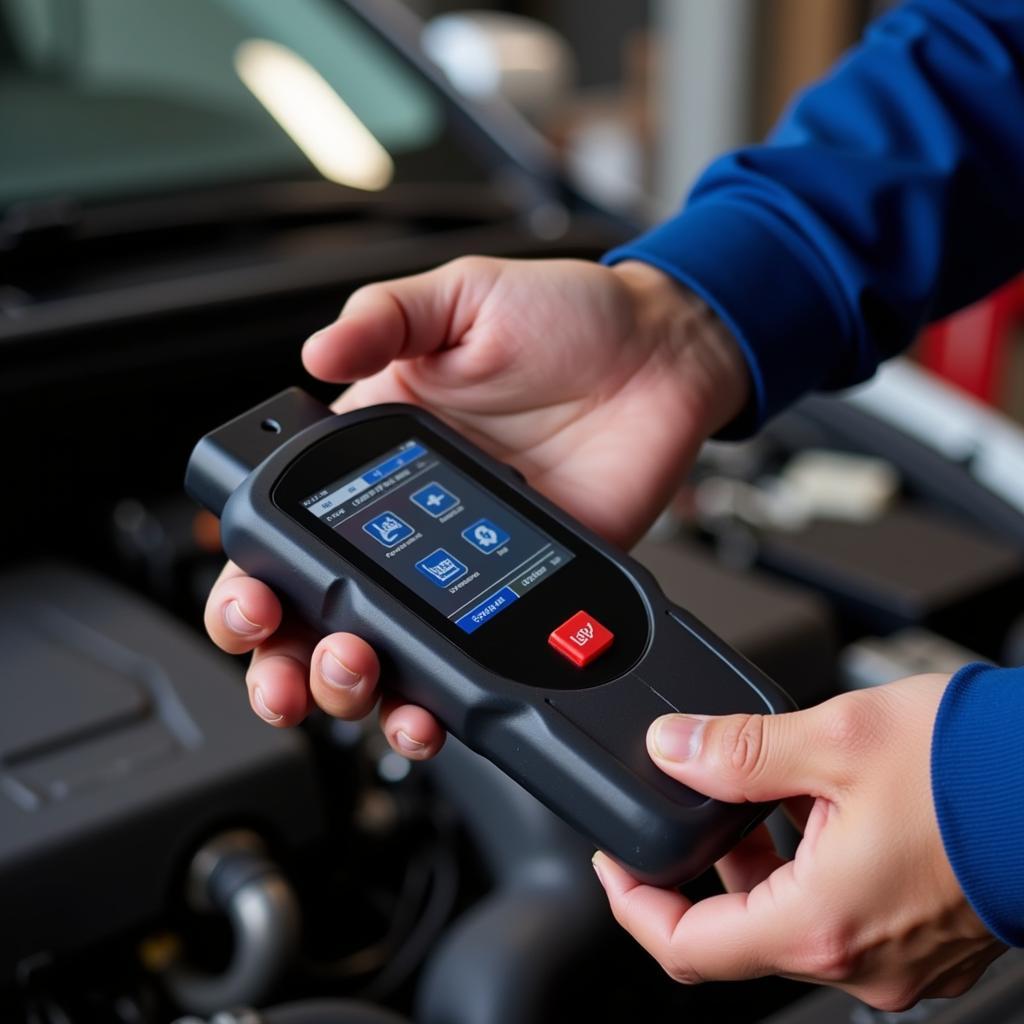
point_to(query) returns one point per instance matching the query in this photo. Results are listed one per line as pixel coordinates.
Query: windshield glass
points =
(101, 99)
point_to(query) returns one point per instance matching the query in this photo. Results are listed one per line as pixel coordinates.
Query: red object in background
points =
(969, 347)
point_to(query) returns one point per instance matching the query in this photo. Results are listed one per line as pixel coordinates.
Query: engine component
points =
(873, 661)
(841, 485)
(124, 744)
(311, 1011)
(233, 874)
(911, 567)
(498, 963)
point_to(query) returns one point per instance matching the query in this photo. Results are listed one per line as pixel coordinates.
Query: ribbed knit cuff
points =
(776, 307)
(978, 789)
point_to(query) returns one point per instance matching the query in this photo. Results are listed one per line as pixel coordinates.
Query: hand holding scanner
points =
(531, 639)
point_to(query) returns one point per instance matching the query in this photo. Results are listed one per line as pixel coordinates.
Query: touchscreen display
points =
(438, 532)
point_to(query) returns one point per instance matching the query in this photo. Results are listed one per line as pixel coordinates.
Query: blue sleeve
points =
(978, 789)
(889, 195)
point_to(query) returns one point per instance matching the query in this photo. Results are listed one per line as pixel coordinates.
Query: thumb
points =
(400, 319)
(755, 758)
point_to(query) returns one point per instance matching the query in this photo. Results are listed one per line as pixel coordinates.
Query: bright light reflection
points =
(313, 115)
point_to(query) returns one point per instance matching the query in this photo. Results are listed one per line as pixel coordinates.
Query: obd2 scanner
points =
(531, 639)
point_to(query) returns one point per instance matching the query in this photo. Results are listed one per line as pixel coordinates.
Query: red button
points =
(581, 639)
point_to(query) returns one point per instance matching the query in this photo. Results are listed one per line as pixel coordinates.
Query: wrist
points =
(711, 370)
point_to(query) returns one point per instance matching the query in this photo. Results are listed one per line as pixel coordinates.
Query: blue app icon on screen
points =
(434, 499)
(485, 536)
(388, 529)
(441, 568)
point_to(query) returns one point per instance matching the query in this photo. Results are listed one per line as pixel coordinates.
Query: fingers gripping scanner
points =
(531, 639)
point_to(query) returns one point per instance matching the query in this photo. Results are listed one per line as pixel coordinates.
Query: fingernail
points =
(238, 623)
(407, 743)
(262, 709)
(337, 673)
(595, 863)
(677, 737)
(315, 335)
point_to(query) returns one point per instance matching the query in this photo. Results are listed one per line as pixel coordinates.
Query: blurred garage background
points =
(175, 218)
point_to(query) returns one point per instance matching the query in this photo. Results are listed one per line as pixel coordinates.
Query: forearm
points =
(713, 377)
(890, 194)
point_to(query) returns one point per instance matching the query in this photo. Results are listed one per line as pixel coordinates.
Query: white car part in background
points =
(941, 417)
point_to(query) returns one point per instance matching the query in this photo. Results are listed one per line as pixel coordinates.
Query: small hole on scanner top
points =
(271, 426)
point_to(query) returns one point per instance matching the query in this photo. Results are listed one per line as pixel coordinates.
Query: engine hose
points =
(233, 874)
(502, 959)
(330, 1011)
(308, 1011)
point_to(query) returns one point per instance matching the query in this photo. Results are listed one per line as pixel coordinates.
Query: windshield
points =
(102, 99)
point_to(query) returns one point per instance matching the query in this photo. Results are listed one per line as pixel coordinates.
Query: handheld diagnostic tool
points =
(531, 639)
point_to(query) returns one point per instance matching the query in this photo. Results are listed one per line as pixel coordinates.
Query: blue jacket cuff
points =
(978, 789)
(778, 308)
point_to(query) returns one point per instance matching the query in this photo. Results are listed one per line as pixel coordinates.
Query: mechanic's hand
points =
(598, 384)
(869, 904)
